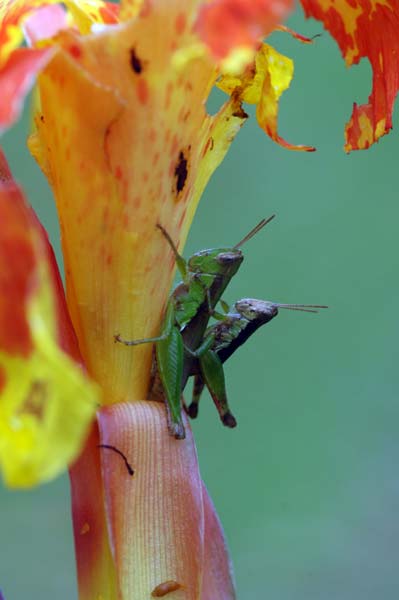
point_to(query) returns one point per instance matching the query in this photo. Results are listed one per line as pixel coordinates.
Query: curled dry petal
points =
(262, 83)
(369, 29)
(46, 402)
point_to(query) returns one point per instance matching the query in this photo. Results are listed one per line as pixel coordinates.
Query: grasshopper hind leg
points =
(198, 388)
(213, 375)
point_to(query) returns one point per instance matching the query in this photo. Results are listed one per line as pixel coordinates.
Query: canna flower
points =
(121, 131)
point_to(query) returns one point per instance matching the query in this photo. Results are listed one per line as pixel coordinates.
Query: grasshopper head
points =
(253, 309)
(218, 261)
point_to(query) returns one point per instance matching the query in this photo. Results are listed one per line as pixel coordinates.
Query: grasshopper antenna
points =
(254, 231)
(180, 262)
(311, 308)
(169, 239)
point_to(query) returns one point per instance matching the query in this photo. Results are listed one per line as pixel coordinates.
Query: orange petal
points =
(228, 26)
(156, 516)
(365, 29)
(132, 147)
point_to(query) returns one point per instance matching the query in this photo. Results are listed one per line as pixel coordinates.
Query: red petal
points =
(364, 28)
(17, 263)
(225, 25)
(95, 565)
(16, 79)
(23, 244)
(155, 517)
(5, 173)
(218, 580)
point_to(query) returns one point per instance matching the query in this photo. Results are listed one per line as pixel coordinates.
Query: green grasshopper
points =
(221, 341)
(205, 277)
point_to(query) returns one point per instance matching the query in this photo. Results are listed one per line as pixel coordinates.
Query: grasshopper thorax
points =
(216, 261)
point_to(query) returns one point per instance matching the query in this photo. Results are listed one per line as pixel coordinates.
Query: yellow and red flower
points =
(123, 136)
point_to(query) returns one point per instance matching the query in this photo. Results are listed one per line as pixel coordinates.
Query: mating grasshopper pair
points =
(186, 345)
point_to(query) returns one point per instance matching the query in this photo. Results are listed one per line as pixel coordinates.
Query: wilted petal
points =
(365, 29)
(262, 83)
(159, 507)
(46, 402)
(295, 34)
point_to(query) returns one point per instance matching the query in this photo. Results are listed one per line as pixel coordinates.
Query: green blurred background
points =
(307, 485)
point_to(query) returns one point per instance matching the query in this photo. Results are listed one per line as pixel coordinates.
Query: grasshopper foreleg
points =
(153, 340)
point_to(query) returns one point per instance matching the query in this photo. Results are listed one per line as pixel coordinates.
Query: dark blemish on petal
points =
(181, 172)
(42, 118)
(135, 62)
(240, 113)
(165, 588)
(130, 470)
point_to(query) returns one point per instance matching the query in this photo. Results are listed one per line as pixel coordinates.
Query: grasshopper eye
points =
(226, 258)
